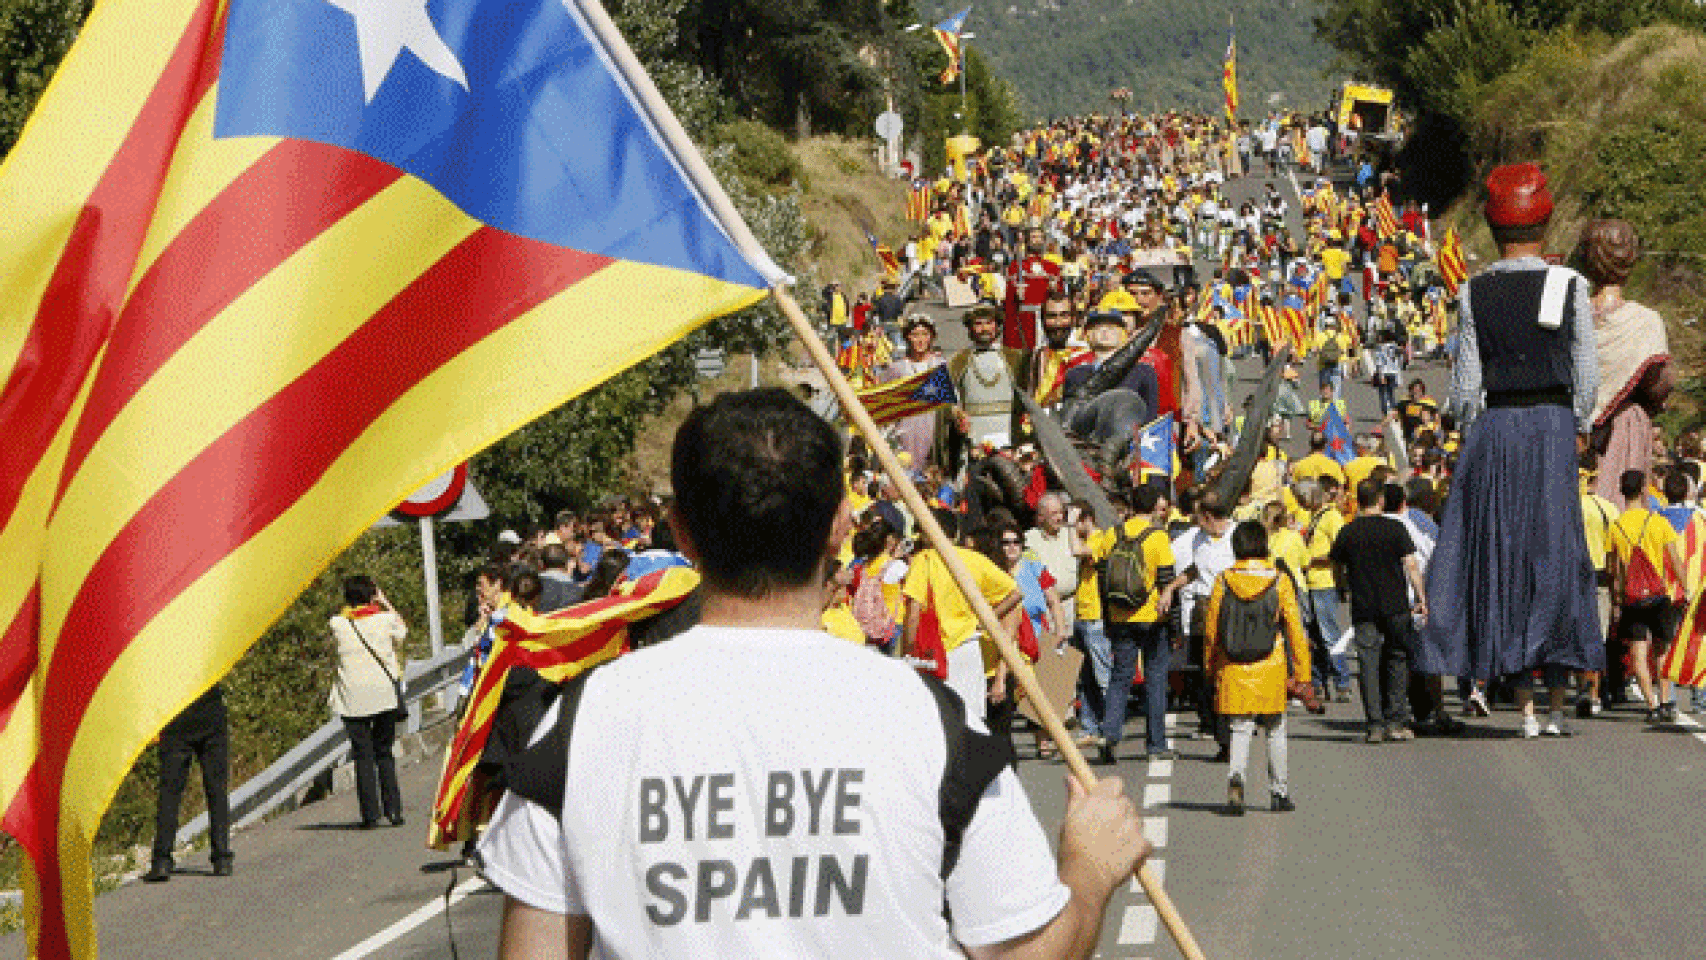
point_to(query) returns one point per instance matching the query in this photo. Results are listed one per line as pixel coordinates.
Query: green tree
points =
(34, 36)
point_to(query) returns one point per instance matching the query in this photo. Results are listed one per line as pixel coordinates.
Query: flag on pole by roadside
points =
(1452, 267)
(918, 202)
(1338, 434)
(899, 399)
(885, 256)
(1229, 79)
(948, 35)
(270, 268)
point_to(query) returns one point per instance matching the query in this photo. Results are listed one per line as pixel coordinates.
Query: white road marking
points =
(1688, 721)
(1160, 868)
(1139, 924)
(398, 930)
(1155, 830)
(1157, 795)
(1160, 769)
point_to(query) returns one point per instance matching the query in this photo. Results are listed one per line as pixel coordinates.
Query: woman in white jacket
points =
(365, 695)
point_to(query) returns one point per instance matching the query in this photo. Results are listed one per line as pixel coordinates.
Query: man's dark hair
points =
(1318, 441)
(1368, 493)
(757, 481)
(1532, 233)
(1249, 540)
(1419, 493)
(1212, 505)
(555, 556)
(1631, 483)
(359, 590)
(1144, 498)
(1676, 486)
(1392, 498)
(564, 518)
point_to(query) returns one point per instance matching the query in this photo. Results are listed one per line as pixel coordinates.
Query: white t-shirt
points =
(1211, 556)
(742, 793)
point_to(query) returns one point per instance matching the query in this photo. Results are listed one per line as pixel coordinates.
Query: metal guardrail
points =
(323, 749)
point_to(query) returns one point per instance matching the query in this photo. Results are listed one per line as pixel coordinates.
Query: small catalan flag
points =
(915, 394)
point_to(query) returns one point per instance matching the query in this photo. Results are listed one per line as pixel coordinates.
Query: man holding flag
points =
(740, 867)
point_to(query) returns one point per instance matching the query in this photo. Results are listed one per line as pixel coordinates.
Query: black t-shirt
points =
(1372, 550)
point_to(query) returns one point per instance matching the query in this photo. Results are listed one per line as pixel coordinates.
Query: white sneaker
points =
(1555, 726)
(1477, 705)
(1530, 728)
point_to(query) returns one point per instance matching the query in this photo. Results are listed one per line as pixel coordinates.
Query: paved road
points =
(1485, 845)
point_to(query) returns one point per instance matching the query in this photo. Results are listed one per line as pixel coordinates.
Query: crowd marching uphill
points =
(1155, 546)
(1082, 236)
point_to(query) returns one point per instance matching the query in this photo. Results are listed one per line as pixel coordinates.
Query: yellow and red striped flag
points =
(560, 646)
(1452, 267)
(902, 398)
(1685, 661)
(1296, 325)
(918, 202)
(1385, 218)
(1229, 80)
(258, 287)
(1268, 316)
(948, 34)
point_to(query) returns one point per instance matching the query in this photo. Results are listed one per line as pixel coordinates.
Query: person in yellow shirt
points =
(929, 583)
(1318, 464)
(1598, 514)
(1644, 626)
(1135, 632)
(837, 617)
(1334, 260)
(1367, 459)
(1321, 597)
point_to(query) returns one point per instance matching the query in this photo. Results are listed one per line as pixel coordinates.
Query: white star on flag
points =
(1151, 442)
(385, 28)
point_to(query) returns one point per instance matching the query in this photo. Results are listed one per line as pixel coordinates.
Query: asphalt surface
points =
(1483, 845)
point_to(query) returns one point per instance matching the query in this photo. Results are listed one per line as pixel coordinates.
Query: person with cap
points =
(985, 374)
(914, 434)
(1511, 585)
(1111, 419)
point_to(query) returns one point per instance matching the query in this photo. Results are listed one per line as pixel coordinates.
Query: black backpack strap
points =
(974, 760)
(539, 773)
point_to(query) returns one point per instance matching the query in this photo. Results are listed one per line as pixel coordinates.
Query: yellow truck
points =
(1367, 109)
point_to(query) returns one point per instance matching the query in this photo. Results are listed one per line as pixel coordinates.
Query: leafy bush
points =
(760, 154)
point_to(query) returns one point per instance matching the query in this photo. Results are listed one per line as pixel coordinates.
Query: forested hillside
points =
(1065, 56)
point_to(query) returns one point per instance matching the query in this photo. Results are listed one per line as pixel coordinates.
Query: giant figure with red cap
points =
(1510, 586)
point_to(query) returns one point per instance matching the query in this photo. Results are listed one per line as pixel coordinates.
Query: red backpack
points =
(1643, 588)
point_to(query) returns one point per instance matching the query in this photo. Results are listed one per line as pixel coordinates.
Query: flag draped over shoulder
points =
(1385, 218)
(907, 396)
(560, 646)
(948, 35)
(1453, 269)
(269, 268)
(1229, 79)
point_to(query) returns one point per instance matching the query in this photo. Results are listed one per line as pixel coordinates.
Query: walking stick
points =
(933, 532)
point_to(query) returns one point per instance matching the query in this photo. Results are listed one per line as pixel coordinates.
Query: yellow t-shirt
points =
(1333, 261)
(1358, 470)
(1157, 553)
(1598, 514)
(1287, 544)
(1653, 533)
(1327, 524)
(1316, 466)
(928, 580)
(838, 622)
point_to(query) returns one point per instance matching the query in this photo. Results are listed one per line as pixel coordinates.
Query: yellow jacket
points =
(1255, 688)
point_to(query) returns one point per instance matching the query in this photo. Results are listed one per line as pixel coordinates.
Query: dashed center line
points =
(1694, 725)
(1155, 829)
(1157, 795)
(1160, 869)
(1160, 769)
(1139, 924)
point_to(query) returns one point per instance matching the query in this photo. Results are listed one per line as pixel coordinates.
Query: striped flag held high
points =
(1452, 267)
(1385, 218)
(260, 284)
(918, 393)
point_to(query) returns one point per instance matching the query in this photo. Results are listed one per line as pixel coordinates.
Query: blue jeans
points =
(1323, 611)
(1128, 640)
(1089, 637)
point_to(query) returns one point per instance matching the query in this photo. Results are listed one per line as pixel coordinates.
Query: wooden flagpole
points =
(1021, 670)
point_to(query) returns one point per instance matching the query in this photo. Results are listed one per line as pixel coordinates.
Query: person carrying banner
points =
(742, 819)
(1511, 586)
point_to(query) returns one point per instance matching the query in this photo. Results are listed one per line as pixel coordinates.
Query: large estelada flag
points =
(948, 35)
(1157, 449)
(899, 399)
(1385, 218)
(1453, 269)
(271, 265)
